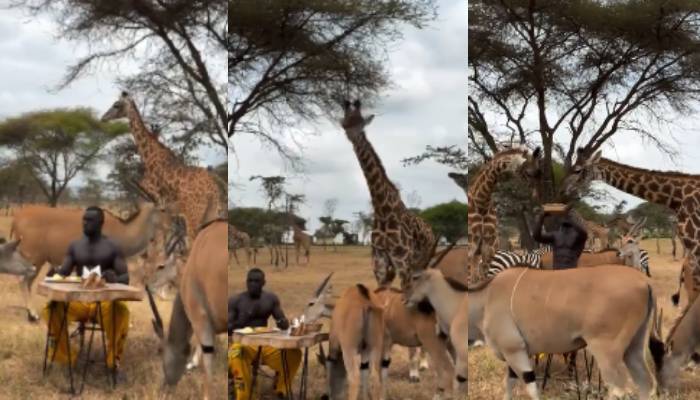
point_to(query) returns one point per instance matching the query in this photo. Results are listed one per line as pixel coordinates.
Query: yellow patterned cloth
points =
(84, 312)
(240, 363)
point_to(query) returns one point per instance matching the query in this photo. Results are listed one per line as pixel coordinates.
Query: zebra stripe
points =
(502, 260)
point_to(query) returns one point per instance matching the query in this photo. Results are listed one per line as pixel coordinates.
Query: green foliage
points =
(448, 220)
(56, 145)
(660, 219)
(253, 220)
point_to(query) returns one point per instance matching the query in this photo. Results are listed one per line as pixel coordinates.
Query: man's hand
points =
(110, 276)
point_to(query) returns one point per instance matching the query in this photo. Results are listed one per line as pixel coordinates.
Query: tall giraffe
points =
(193, 190)
(482, 222)
(678, 191)
(402, 242)
(301, 240)
(238, 239)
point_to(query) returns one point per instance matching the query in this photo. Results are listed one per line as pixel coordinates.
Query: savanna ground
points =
(295, 285)
(22, 346)
(486, 372)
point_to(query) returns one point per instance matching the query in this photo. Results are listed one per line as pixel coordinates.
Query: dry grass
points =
(486, 373)
(295, 286)
(22, 346)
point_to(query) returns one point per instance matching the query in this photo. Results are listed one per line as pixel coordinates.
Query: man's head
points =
(255, 282)
(93, 219)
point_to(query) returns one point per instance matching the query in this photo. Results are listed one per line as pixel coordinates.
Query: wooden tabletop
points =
(61, 291)
(279, 340)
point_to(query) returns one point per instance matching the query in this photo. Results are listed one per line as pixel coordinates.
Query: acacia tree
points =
(56, 145)
(272, 187)
(566, 74)
(292, 61)
(179, 45)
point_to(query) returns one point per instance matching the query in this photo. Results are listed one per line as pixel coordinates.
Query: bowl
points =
(554, 208)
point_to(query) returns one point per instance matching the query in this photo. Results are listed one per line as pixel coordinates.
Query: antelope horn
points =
(323, 284)
(438, 257)
(140, 190)
(157, 321)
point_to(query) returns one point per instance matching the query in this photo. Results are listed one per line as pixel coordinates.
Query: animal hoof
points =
(413, 379)
(33, 318)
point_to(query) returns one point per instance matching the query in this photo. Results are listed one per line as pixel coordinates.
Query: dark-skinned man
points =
(91, 250)
(567, 242)
(252, 309)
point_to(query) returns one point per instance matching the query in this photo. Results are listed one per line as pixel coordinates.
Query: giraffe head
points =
(353, 122)
(119, 108)
(584, 171)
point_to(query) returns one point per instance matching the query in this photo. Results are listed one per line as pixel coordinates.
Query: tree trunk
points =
(526, 240)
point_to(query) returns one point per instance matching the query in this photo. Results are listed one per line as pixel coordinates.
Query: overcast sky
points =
(426, 107)
(34, 61)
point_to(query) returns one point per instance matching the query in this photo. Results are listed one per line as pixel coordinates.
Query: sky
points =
(34, 61)
(426, 106)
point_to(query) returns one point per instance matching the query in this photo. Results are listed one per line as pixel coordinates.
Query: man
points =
(567, 242)
(92, 250)
(252, 308)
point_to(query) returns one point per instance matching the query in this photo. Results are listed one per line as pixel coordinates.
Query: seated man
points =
(92, 250)
(252, 308)
(567, 242)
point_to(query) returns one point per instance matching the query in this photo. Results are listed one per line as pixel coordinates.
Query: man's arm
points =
(121, 271)
(232, 314)
(537, 233)
(278, 315)
(68, 263)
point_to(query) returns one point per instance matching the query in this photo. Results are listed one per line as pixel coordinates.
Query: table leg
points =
(98, 310)
(48, 335)
(287, 378)
(100, 321)
(256, 365)
(304, 373)
(64, 327)
(114, 346)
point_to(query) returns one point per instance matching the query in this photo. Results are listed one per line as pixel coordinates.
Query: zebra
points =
(503, 260)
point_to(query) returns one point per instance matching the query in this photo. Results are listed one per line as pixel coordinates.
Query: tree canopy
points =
(447, 220)
(568, 74)
(179, 45)
(56, 145)
(294, 60)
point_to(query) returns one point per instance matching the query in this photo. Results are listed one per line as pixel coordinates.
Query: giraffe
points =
(301, 239)
(238, 239)
(678, 191)
(193, 190)
(402, 242)
(272, 236)
(482, 222)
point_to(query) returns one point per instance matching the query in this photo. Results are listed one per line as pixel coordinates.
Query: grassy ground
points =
(295, 286)
(486, 373)
(22, 345)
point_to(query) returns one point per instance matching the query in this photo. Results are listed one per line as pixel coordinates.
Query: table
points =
(280, 340)
(64, 293)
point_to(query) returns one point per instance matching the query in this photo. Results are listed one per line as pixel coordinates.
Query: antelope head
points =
(322, 303)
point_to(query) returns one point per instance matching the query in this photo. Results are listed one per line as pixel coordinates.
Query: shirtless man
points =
(91, 250)
(567, 242)
(253, 308)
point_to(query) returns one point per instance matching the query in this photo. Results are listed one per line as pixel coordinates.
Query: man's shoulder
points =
(269, 296)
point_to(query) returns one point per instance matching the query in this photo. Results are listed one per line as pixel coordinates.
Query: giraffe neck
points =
(385, 196)
(665, 188)
(480, 191)
(146, 142)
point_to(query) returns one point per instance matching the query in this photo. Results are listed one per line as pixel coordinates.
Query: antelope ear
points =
(368, 120)
(12, 246)
(596, 156)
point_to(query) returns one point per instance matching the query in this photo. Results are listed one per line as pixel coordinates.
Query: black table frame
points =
(112, 372)
(285, 370)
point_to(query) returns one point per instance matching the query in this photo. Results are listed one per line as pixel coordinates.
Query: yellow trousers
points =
(84, 312)
(240, 363)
